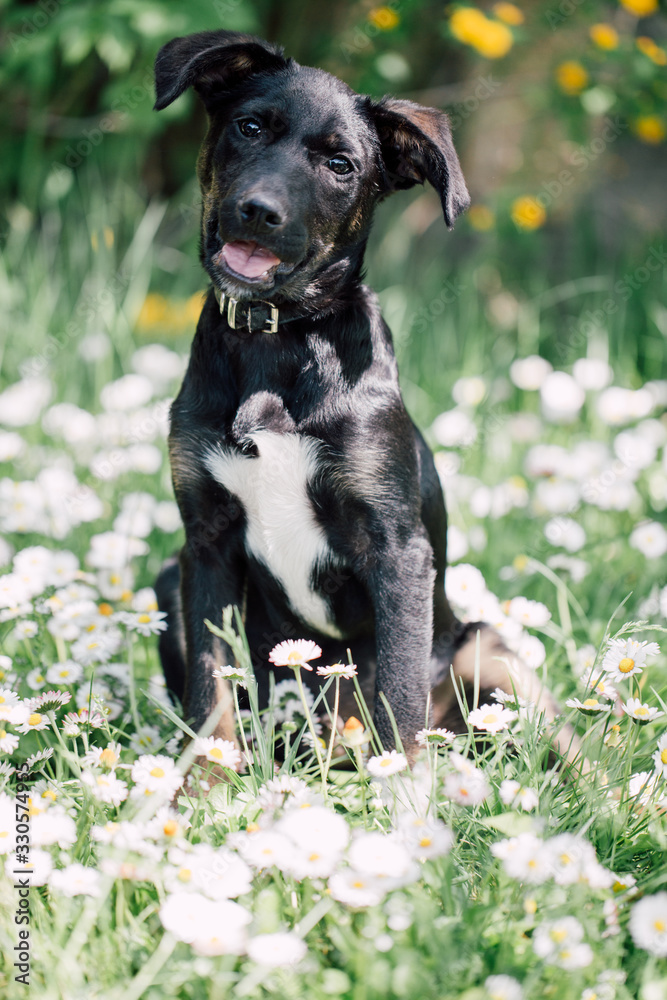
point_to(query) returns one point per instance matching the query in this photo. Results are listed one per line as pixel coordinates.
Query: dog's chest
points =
(282, 531)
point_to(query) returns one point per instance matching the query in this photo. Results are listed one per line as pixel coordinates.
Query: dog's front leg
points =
(209, 582)
(401, 586)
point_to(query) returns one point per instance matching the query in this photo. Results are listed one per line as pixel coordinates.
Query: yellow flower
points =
(604, 36)
(481, 218)
(508, 13)
(640, 8)
(491, 39)
(384, 18)
(169, 315)
(527, 213)
(653, 51)
(650, 129)
(571, 77)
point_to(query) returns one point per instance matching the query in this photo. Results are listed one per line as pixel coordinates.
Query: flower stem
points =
(316, 742)
(332, 738)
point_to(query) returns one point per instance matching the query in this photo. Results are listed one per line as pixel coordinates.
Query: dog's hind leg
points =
(171, 644)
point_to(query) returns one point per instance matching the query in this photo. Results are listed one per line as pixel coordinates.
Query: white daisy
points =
(8, 741)
(264, 849)
(648, 924)
(466, 787)
(650, 539)
(387, 763)
(424, 838)
(525, 858)
(25, 630)
(313, 827)
(76, 880)
(155, 773)
(627, 657)
(67, 672)
(512, 793)
(107, 757)
(660, 756)
(35, 721)
(503, 988)
(238, 674)
(106, 787)
(491, 718)
(641, 786)
(435, 737)
(344, 670)
(295, 653)
(640, 712)
(218, 751)
(357, 890)
(528, 613)
(273, 950)
(590, 706)
(146, 623)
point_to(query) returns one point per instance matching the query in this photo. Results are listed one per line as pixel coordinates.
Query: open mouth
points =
(247, 259)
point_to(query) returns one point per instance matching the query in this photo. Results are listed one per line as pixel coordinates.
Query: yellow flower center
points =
(557, 935)
(425, 842)
(4, 833)
(659, 925)
(105, 609)
(185, 874)
(34, 719)
(313, 857)
(490, 719)
(49, 794)
(170, 828)
(2, 699)
(385, 763)
(295, 657)
(215, 753)
(358, 884)
(626, 665)
(108, 758)
(3, 733)
(642, 710)
(591, 703)
(144, 619)
(157, 772)
(663, 756)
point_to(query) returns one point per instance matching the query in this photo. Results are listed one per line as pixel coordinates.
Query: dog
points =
(309, 498)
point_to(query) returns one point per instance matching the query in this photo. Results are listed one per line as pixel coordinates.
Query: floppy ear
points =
(417, 146)
(212, 62)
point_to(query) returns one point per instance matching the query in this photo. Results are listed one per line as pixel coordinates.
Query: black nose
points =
(260, 214)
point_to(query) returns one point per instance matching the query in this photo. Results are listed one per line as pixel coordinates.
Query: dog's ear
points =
(212, 62)
(417, 146)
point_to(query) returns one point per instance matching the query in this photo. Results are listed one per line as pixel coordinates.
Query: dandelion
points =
(343, 670)
(648, 924)
(384, 18)
(604, 36)
(481, 218)
(491, 718)
(435, 737)
(491, 39)
(651, 130)
(218, 751)
(649, 48)
(295, 653)
(389, 762)
(641, 8)
(273, 950)
(508, 12)
(571, 77)
(640, 712)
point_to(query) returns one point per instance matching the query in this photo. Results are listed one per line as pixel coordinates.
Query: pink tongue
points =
(248, 258)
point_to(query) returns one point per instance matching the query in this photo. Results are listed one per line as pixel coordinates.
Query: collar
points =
(260, 316)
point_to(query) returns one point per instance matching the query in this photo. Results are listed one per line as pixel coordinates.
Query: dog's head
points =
(294, 163)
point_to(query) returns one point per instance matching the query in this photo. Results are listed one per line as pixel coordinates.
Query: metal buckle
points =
(271, 325)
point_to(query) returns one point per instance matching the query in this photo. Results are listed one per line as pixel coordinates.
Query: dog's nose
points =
(260, 214)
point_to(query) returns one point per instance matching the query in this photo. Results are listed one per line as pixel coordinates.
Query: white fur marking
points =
(281, 531)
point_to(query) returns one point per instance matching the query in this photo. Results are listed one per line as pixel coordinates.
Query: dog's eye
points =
(250, 128)
(340, 165)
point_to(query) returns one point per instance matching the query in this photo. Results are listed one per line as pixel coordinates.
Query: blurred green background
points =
(559, 115)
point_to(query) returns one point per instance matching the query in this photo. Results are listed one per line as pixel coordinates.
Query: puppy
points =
(309, 498)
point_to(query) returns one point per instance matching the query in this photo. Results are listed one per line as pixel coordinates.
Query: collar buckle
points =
(270, 325)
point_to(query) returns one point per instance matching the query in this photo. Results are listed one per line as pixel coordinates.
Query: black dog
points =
(309, 498)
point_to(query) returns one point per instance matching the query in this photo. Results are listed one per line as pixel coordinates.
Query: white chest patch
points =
(281, 530)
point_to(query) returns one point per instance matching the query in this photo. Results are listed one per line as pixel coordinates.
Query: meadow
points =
(493, 869)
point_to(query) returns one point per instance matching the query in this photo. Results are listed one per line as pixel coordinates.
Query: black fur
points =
(329, 373)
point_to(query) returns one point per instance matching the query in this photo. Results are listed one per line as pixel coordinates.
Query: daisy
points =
(39, 757)
(639, 712)
(36, 679)
(627, 657)
(68, 672)
(147, 738)
(50, 701)
(660, 756)
(552, 939)
(8, 741)
(648, 924)
(282, 790)
(265, 849)
(528, 613)
(514, 794)
(218, 751)
(155, 773)
(491, 718)
(503, 988)
(389, 762)
(425, 838)
(273, 950)
(210, 927)
(35, 721)
(25, 630)
(146, 623)
(10, 706)
(315, 827)
(53, 826)
(295, 653)
(650, 538)
(590, 706)
(106, 787)
(238, 674)
(356, 890)
(641, 786)
(525, 858)
(345, 670)
(75, 880)
(466, 789)
(107, 757)
(435, 737)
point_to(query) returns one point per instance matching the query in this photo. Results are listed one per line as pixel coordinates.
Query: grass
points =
(433, 926)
